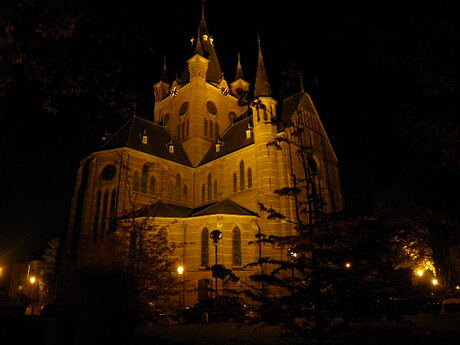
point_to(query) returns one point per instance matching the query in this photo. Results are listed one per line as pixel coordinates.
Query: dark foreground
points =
(419, 329)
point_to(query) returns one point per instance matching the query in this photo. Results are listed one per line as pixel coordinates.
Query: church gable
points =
(302, 105)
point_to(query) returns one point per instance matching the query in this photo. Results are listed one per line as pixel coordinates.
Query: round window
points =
(183, 108)
(108, 173)
(211, 107)
(231, 116)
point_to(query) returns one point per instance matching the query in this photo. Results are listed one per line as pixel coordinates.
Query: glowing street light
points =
(420, 273)
(347, 264)
(434, 282)
(180, 270)
(457, 287)
(32, 279)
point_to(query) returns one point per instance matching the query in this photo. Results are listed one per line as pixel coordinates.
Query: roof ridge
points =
(119, 130)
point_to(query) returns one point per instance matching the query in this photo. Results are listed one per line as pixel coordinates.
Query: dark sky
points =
(361, 64)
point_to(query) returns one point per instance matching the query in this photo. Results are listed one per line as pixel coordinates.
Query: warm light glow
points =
(180, 270)
(457, 287)
(434, 282)
(347, 264)
(1, 271)
(420, 273)
(32, 280)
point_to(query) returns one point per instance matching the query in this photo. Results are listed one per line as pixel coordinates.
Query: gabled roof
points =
(234, 138)
(160, 209)
(226, 206)
(130, 135)
(289, 108)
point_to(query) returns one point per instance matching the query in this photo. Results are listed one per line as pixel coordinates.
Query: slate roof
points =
(289, 107)
(234, 138)
(130, 135)
(226, 206)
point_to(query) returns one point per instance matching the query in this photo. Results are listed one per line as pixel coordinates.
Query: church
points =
(201, 163)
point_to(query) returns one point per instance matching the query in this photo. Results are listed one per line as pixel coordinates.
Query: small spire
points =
(262, 87)
(239, 70)
(301, 82)
(202, 27)
(164, 72)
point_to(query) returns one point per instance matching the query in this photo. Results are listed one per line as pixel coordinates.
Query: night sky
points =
(383, 76)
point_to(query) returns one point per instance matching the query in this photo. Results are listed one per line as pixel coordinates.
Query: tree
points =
(48, 281)
(336, 270)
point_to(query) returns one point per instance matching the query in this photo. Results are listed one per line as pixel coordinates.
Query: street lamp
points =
(420, 273)
(435, 282)
(347, 265)
(216, 236)
(180, 272)
(32, 279)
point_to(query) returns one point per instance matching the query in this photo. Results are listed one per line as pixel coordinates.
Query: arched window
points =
(211, 131)
(205, 127)
(235, 183)
(144, 178)
(204, 248)
(178, 132)
(170, 189)
(177, 189)
(203, 193)
(104, 213)
(209, 186)
(136, 181)
(96, 216)
(185, 193)
(217, 129)
(249, 178)
(113, 204)
(187, 131)
(183, 130)
(215, 189)
(242, 175)
(236, 247)
(152, 185)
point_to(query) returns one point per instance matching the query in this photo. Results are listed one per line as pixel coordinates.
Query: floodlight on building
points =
(457, 287)
(347, 264)
(434, 282)
(32, 279)
(420, 272)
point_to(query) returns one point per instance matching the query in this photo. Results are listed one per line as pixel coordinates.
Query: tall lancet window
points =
(144, 178)
(236, 247)
(136, 181)
(215, 189)
(242, 175)
(152, 185)
(205, 127)
(211, 131)
(235, 183)
(209, 186)
(177, 189)
(204, 248)
(249, 178)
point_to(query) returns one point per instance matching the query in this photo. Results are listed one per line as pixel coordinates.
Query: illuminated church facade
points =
(201, 163)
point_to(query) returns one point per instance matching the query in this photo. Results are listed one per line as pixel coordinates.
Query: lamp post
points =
(180, 272)
(216, 236)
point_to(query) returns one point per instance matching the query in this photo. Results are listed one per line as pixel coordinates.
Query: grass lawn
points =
(420, 329)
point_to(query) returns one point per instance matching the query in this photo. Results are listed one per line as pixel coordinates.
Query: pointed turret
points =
(239, 87)
(164, 72)
(262, 87)
(161, 89)
(239, 70)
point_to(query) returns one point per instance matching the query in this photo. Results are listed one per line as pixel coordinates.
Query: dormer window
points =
(144, 137)
(219, 144)
(249, 131)
(171, 147)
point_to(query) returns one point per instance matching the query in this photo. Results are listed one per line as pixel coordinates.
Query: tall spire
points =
(164, 72)
(262, 87)
(202, 26)
(239, 70)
